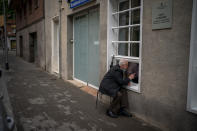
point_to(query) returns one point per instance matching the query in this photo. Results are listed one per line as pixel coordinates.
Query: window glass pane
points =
(124, 5)
(36, 4)
(25, 10)
(20, 15)
(124, 19)
(123, 49)
(30, 6)
(134, 49)
(133, 68)
(123, 34)
(135, 3)
(135, 16)
(135, 33)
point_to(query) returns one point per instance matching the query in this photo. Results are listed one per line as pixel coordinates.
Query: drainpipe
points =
(45, 47)
(60, 30)
(5, 36)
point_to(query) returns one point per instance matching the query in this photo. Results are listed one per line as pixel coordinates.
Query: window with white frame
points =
(125, 35)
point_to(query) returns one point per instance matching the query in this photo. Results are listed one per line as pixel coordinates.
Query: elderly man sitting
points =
(112, 85)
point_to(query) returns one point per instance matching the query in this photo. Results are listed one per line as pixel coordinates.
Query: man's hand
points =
(129, 83)
(132, 76)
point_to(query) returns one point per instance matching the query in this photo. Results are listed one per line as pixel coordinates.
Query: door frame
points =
(75, 16)
(33, 58)
(191, 87)
(21, 45)
(54, 19)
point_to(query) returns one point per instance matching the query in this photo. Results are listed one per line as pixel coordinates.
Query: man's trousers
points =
(119, 101)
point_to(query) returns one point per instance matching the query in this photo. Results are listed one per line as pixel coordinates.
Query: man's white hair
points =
(122, 62)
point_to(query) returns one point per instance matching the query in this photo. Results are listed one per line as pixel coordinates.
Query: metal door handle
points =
(71, 41)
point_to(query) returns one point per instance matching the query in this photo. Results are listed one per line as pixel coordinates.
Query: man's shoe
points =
(125, 113)
(111, 114)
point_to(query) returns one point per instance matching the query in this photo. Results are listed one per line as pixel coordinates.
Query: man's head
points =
(123, 64)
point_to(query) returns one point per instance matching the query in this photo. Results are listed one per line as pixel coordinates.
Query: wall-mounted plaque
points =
(162, 14)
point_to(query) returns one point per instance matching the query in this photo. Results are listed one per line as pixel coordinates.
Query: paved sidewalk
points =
(42, 102)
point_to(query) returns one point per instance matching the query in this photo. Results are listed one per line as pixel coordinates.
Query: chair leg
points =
(110, 99)
(97, 98)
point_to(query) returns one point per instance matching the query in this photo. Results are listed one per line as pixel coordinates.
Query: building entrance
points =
(55, 46)
(21, 46)
(32, 47)
(86, 47)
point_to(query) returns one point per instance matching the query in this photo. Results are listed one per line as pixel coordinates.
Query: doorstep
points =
(88, 89)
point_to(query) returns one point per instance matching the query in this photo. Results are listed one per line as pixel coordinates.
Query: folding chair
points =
(100, 93)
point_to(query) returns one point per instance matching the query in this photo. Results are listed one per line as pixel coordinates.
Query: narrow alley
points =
(42, 102)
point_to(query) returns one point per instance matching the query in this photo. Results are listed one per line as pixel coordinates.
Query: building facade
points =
(11, 32)
(154, 36)
(78, 40)
(30, 30)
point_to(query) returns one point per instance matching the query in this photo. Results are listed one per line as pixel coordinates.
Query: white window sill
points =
(133, 87)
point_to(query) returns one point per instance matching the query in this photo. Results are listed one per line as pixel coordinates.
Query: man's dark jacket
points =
(113, 81)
